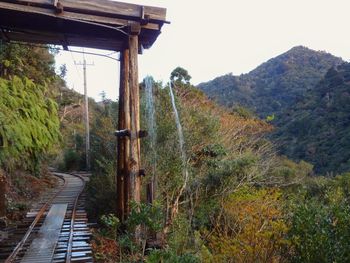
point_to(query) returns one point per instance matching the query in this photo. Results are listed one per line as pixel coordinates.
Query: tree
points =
(180, 75)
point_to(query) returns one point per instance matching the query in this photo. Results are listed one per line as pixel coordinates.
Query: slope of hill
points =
(274, 85)
(317, 128)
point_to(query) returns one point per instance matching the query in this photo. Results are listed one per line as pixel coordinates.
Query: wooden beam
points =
(105, 7)
(68, 40)
(77, 29)
(73, 15)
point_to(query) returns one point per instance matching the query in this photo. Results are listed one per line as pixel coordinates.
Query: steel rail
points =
(41, 212)
(71, 232)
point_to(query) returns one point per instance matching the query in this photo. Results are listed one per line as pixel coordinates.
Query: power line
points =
(75, 65)
(108, 55)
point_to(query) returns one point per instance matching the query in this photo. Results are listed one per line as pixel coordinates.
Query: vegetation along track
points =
(58, 231)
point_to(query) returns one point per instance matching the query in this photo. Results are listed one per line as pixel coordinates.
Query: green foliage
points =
(71, 161)
(180, 75)
(243, 111)
(290, 174)
(317, 128)
(101, 190)
(240, 202)
(250, 228)
(270, 117)
(103, 125)
(306, 95)
(147, 215)
(34, 63)
(320, 222)
(224, 151)
(111, 223)
(167, 256)
(29, 125)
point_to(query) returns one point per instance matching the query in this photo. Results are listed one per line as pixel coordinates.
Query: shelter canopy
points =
(101, 24)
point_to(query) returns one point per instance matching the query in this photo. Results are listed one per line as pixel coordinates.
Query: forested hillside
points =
(274, 85)
(29, 124)
(240, 202)
(317, 128)
(303, 93)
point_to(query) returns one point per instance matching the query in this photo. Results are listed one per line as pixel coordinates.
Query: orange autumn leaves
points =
(251, 228)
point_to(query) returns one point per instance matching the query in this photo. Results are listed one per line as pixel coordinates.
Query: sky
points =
(213, 38)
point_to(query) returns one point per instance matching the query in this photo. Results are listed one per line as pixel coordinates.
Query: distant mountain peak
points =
(291, 87)
(275, 84)
(301, 48)
(308, 50)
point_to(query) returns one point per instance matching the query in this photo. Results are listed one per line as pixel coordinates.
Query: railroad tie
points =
(43, 246)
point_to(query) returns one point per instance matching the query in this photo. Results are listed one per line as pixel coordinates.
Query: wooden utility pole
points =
(86, 115)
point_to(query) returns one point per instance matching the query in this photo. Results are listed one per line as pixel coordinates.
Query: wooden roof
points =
(102, 24)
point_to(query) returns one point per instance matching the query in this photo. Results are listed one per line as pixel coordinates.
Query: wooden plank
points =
(43, 246)
(107, 7)
(73, 16)
(71, 40)
(101, 32)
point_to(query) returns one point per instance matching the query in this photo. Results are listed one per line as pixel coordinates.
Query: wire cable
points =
(74, 51)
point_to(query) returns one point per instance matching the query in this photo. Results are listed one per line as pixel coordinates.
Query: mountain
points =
(275, 85)
(317, 128)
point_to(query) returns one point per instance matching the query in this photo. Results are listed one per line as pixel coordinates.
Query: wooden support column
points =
(135, 156)
(129, 154)
(127, 190)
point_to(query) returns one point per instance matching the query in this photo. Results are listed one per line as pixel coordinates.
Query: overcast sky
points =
(213, 38)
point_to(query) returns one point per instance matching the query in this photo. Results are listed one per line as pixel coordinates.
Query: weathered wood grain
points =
(135, 118)
(73, 15)
(70, 28)
(123, 179)
(106, 7)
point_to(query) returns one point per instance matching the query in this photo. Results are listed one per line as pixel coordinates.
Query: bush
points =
(101, 190)
(320, 224)
(71, 160)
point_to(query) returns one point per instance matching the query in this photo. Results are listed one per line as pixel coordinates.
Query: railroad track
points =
(54, 231)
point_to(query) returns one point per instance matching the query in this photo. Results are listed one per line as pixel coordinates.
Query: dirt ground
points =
(23, 190)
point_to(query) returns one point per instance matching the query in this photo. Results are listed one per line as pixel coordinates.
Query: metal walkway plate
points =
(43, 246)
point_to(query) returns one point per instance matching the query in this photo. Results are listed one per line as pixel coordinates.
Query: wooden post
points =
(129, 155)
(126, 139)
(135, 156)
(123, 180)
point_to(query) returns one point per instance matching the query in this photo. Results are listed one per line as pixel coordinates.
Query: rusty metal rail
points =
(69, 241)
